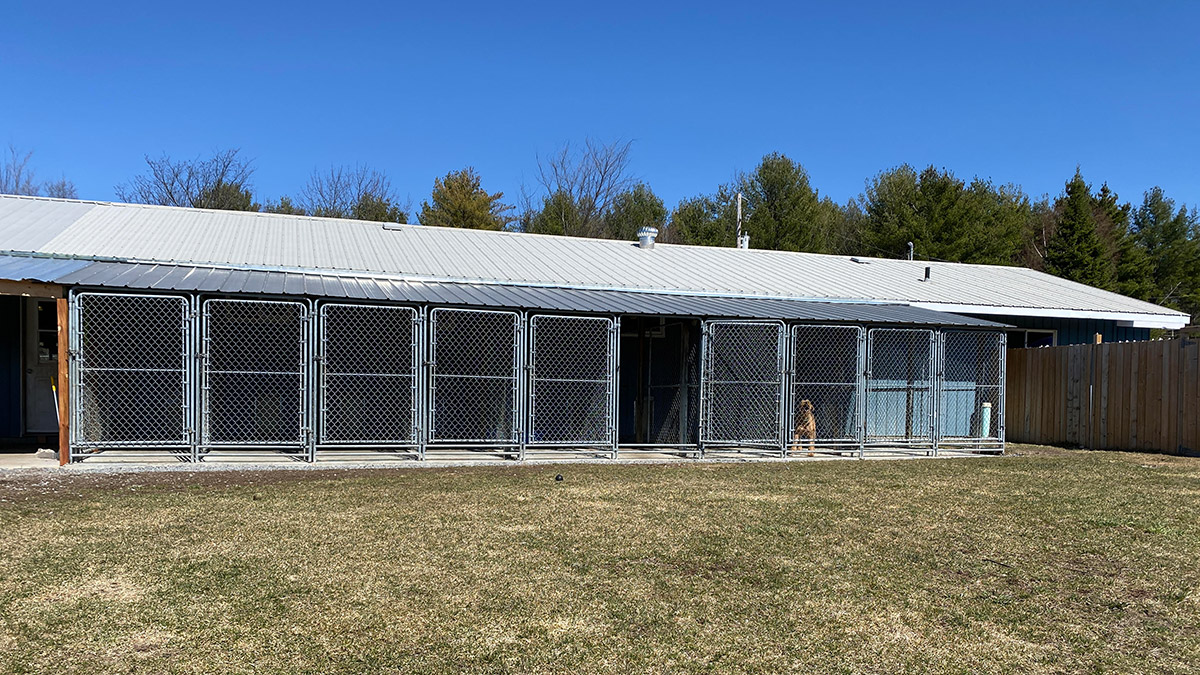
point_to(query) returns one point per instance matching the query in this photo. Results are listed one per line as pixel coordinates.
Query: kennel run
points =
(196, 375)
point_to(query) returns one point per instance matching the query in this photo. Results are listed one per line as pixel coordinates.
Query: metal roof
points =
(193, 278)
(270, 241)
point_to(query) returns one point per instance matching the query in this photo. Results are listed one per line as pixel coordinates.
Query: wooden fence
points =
(1122, 396)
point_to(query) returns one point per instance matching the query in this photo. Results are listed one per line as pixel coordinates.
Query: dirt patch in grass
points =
(105, 586)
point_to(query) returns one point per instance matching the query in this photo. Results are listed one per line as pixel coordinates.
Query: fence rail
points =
(1119, 396)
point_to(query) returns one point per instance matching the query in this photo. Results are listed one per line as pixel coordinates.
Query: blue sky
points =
(1016, 92)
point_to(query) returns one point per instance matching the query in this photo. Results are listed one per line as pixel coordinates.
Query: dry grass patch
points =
(1044, 561)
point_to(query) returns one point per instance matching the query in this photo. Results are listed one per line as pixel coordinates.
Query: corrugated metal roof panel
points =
(149, 233)
(18, 268)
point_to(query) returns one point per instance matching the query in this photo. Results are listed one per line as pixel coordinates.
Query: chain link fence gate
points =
(130, 374)
(572, 382)
(255, 385)
(742, 384)
(475, 358)
(972, 390)
(369, 390)
(901, 409)
(826, 410)
(674, 387)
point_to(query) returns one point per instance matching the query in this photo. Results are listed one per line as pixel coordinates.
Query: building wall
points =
(10, 366)
(1076, 331)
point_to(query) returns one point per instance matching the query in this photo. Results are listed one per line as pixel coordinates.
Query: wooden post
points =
(64, 385)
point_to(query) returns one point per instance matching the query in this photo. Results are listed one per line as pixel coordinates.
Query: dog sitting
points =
(806, 426)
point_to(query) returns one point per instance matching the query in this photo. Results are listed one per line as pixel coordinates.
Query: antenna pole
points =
(739, 221)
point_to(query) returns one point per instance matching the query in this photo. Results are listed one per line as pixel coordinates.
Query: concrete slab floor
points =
(28, 460)
(116, 461)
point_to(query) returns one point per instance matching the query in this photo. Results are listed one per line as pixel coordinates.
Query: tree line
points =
(1149, 250)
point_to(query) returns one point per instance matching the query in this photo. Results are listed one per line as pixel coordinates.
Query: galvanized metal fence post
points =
(521, 385)
(614, 387)
(705, 333)
(420, 380)
(74, 329)
(315, 364)
(783, 417)
(937, 354)
(862, 375)
(1002, 419)
(192, 367)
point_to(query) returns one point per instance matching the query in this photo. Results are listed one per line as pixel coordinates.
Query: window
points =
(1019, 339)
(47, 331)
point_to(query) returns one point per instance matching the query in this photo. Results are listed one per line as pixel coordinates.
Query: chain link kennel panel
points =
(475, 361)
(972, 387)
(571, 381)
(255, 356)
(742, 385)
(131, 384)
(900, 387)
(826, 373)
(369, 367)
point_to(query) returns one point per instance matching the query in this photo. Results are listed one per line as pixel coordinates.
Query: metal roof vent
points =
(646, 236)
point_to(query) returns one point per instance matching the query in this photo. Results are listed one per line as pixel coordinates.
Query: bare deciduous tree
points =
(219, 182)
(351, 192)
(592, 176)
(16, 177)
(61, 188)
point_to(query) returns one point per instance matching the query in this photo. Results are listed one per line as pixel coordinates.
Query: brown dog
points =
(806, 426)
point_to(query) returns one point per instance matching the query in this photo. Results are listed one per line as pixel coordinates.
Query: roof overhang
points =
(1173, 321)
(328, 284)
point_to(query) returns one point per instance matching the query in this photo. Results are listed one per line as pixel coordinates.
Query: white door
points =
(41, 366)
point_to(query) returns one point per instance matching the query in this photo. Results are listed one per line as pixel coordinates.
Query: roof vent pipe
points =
(646, 236)
(927, 271)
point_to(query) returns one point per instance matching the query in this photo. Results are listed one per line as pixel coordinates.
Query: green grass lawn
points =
(1043, 560)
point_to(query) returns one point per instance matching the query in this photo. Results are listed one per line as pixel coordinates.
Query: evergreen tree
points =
(560, 214)
(1134, 271)
(1172, 242)
(633, 209)
(1075, 251)
(702, 221)
(459, 200)
(783, 212)
(944, 217)
(226, 196)
(286, 206)
(378, 208)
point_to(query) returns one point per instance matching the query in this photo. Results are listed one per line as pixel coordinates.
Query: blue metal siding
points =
(10, 366)
(1077, 331)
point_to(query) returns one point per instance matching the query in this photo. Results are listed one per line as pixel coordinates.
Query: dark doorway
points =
(659, 401)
